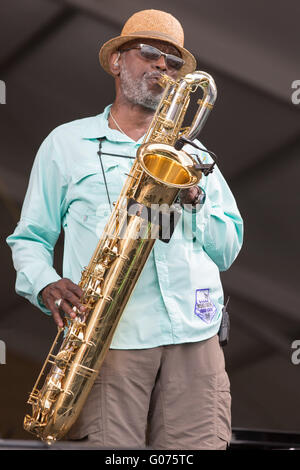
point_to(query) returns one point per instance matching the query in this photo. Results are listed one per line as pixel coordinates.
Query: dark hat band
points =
(163, 36)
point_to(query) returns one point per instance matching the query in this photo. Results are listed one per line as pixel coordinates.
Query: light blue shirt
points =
(178, 297)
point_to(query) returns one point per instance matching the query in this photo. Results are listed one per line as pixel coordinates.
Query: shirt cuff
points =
(49, 276)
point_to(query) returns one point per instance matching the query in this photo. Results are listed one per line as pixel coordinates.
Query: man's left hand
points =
(189, 195)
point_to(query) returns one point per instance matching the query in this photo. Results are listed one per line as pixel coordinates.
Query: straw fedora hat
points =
(150, 24)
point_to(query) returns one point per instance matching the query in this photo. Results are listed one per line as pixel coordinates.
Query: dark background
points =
(49, 62)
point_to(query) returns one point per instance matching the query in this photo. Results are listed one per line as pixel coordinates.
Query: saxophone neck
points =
(206, 104)
(166, 126)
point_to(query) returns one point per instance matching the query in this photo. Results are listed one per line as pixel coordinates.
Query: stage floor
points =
(241, 439)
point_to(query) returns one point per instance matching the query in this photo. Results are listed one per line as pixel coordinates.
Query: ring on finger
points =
(58, 302)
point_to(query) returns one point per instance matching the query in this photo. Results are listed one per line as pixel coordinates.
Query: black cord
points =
(206, 168)
(100, 153)
(116, 154)
(104, 178)
(183, 140)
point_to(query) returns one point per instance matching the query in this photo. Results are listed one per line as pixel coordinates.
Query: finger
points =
(68, 301)
(70, 292)
(55, 314)
(74, 300)
(64, 293)
(75, 289)
(66, 284)
(67, 309)
(55, 294)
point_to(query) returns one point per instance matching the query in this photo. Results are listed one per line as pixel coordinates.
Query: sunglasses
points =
(151, 53)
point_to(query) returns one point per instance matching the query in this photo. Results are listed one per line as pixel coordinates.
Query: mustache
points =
(152, 75)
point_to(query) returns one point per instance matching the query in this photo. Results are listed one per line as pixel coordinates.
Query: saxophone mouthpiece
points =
(165, 80)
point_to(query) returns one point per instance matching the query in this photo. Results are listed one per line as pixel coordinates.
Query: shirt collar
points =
(97, 126)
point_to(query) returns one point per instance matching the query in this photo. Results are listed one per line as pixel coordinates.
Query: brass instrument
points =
(158, 174)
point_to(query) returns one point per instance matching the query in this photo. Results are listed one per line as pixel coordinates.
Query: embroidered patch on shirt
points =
(204, 307)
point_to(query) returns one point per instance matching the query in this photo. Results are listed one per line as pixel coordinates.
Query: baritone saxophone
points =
(160, 170)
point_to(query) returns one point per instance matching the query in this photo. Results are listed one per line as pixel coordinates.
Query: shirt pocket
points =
(93, 191)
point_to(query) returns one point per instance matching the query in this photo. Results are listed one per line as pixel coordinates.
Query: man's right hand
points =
(70, 294)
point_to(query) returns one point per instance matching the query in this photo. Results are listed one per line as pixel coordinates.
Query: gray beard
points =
(138, 92)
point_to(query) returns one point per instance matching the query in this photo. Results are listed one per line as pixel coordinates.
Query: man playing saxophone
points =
(163, 382)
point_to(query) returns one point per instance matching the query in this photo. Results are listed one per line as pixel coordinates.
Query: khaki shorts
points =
(169, 397)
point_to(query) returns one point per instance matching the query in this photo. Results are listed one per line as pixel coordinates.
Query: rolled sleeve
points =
(32, 243)
(219, 225)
